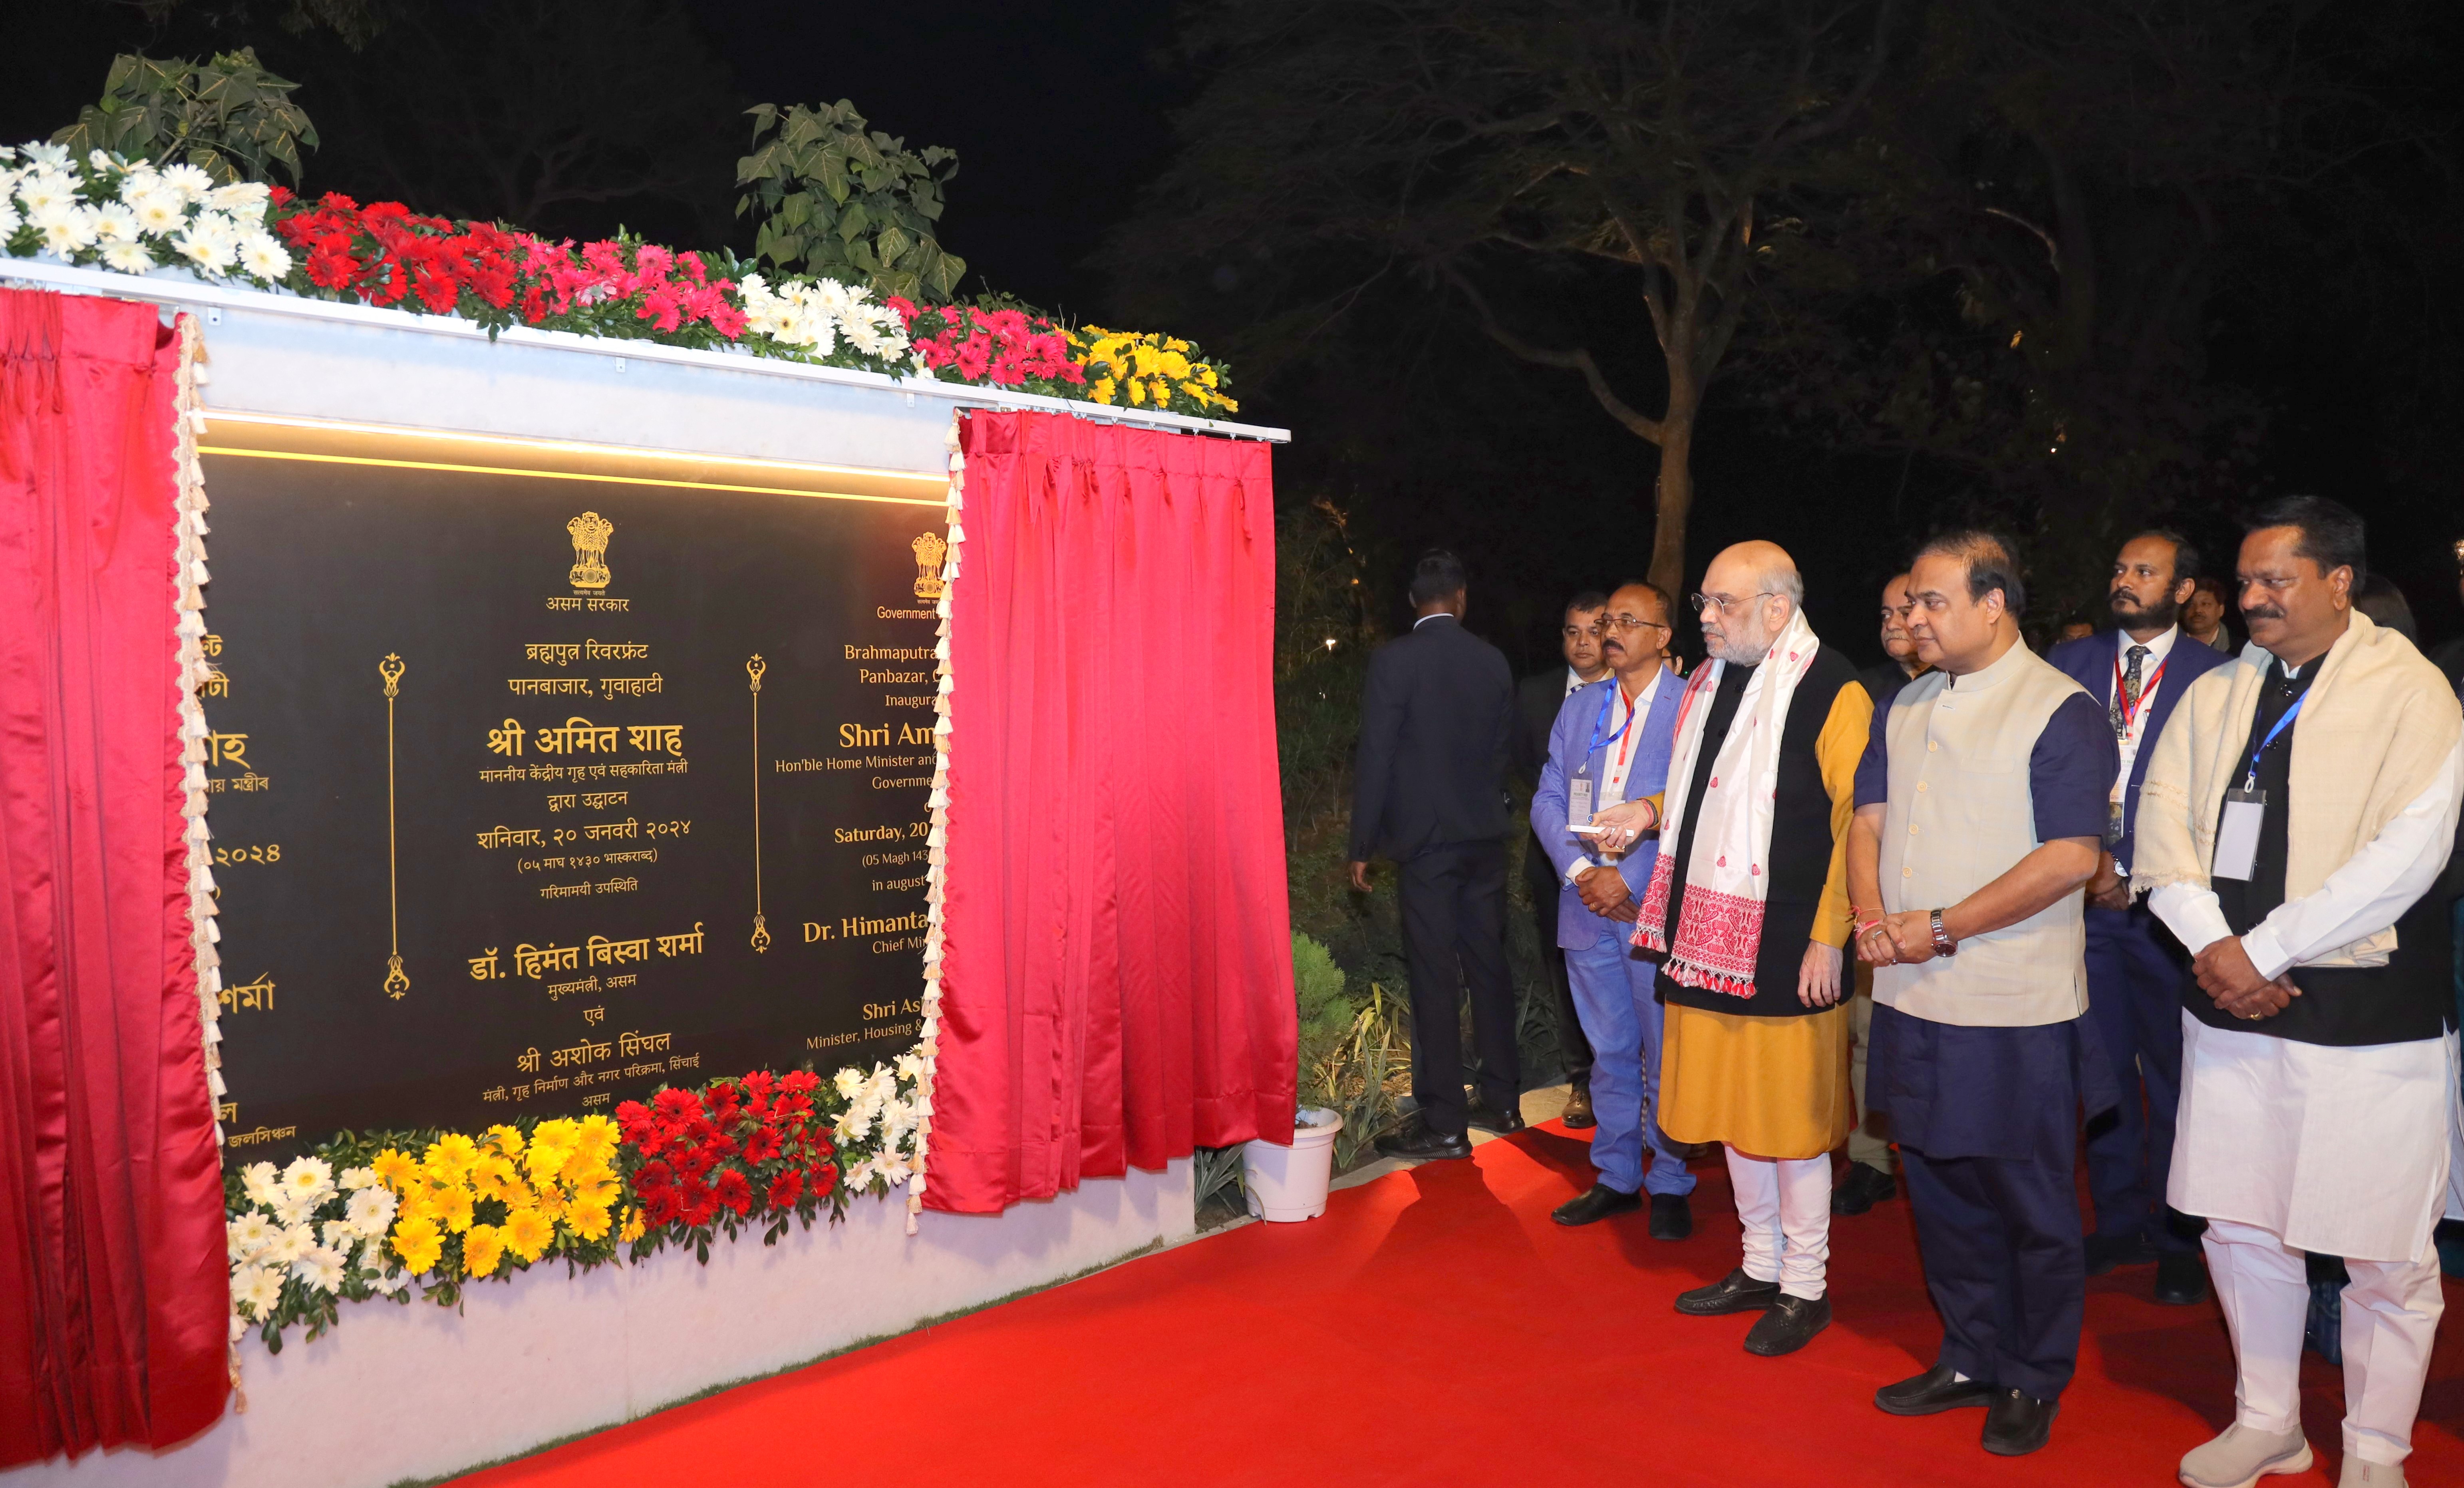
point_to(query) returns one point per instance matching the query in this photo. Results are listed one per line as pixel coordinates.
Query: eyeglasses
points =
(1629, 623)
(1728, 606)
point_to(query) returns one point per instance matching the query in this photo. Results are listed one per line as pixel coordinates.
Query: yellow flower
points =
(395, 1170)
(545, 1159)
(527, 1233)
(1147, 359)
(492, 1175)
(601, 1190)
(590, 1221)
(481, 1250)
(1228, 406)
(508, 1138)
(1137, 392)
(454, 1207)
(1175, 364)
(1206, 375)
(1162, 393)
(1196, 392)
(633, 1226)
(548, 1201)
(595, 1134)
(1103, 390)
(417, 1242)
(448, 1158)
(1176, 343)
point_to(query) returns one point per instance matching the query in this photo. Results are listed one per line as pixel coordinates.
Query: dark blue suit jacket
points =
(1646, 775)
(2089, 662)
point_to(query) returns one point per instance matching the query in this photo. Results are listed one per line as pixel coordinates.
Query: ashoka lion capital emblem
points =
(590, 534)
(930, 550)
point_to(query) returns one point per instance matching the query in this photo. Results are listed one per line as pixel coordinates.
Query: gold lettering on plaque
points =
(590, 534)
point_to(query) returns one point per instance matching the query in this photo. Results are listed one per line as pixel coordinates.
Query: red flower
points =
(800, 1082)
(700, 1206)
(825, 1179)
(731, 1190)
(762, 1144)
(786, 1188)
(663, 1207)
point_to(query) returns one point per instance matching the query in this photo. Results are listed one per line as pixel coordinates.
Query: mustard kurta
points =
(1769, 1088)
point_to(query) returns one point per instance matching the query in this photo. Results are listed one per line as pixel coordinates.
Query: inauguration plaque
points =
(541, 776)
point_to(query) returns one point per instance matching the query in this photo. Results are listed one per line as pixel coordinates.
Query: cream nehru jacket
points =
(1960, 814)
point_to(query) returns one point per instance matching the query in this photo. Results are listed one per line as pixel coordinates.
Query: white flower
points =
(264, 257)
(209, 249)
(45, 188)
(388, 1284)
(116, 223)
(911, 1067)
(244, 200)
(309, 1178)
(859, 1178)
(257, 1181)
(289, 1244)
(249, 1234)
(255, 1291)
(55, 156)
(848, 1083)
(127, 257)
(100, 161)
(291, 1210)
(192, 184)
(370, 1211)
(67, 230)
(158, 210)
(358, 1178)
(338, 1234)
(10, 220)
(320, 1268)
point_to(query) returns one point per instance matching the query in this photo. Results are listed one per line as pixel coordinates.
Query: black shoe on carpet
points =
(1789, 1325)
(1487, 1117)
(1578, 1114)
(2018, 1423)
(1932, 1392)
(1672, 1219)
(1864, 1186)
(1414, 1141)
(1600, 1203)
(1735, 1291)
(2181, 1278)
(2107, 1251)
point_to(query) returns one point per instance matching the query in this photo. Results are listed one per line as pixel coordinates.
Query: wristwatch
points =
(1943, 944)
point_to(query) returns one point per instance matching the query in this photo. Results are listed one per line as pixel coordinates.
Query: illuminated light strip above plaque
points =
(568, 475)
(938, 481)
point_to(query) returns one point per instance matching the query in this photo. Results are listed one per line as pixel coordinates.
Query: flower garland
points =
(106, 211)
(388, 1214)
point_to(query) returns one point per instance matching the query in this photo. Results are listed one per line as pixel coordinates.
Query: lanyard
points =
(2147, 689)
(1598, 742)
(2251, 783)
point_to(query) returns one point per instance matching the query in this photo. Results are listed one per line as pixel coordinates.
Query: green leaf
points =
(892, 244)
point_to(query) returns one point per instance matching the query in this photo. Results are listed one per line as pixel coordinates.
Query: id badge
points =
(1578, 801)
(2237, 834)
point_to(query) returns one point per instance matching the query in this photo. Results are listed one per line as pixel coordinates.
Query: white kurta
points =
(2340, 1150)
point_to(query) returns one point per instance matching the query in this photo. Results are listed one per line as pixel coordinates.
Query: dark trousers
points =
(2134, 979)
(1454, 938)
(1544, 885)
(2000, 1238)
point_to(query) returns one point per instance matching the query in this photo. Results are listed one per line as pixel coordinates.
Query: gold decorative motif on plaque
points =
(930, 550)
(390, 669)
(590, 534)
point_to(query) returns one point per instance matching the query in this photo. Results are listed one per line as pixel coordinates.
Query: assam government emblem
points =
(590, 534)
(930, 550)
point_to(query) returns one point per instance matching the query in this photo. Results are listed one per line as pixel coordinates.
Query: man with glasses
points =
(1746, 914)
(1611, 744)
(1543, 694)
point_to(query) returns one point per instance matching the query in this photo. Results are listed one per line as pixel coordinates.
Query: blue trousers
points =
(1614, 996)
(2000, 1238)
(2134, 984)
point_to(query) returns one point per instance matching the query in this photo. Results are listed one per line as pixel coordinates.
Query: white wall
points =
(395, 1393)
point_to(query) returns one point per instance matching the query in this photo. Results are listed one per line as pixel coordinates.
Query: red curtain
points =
(1117, 973)
(113, 1293)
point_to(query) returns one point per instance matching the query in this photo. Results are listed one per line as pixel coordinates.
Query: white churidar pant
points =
(1784, 1206)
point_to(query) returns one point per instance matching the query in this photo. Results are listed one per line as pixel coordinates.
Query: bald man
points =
(1747, 912)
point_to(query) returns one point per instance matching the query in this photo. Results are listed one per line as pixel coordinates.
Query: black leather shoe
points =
(1488, 1117)
(2017, 1423)
(1735, 1291)
(1862, 1189)
(2106, 1252)
(1598, 1203)
(1414, 1141)
(1788, 1326)
(1932, 1392)
(1672, 1219)
(2181, 1278)
(1578, 1110)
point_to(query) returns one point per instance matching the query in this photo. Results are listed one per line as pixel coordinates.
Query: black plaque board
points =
(532, 793)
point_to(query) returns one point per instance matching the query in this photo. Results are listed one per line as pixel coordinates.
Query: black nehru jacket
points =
(1800, 846)
(2409, 998)
(1437, 716)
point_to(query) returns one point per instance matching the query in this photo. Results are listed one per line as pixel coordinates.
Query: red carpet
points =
(1435, 1327)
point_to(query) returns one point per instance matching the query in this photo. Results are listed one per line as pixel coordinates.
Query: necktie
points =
(2126, 702)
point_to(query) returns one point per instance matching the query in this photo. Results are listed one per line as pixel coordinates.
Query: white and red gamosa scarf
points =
(1720, 926)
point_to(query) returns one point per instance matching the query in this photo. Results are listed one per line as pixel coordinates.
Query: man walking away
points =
(1437, 718)
(2138, 673)
(1543, 694)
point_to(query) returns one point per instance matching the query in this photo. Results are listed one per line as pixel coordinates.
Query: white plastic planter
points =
(1288, 1183)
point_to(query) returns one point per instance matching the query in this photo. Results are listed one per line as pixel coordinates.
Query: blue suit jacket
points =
(2089, 662)
(1647, 775)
